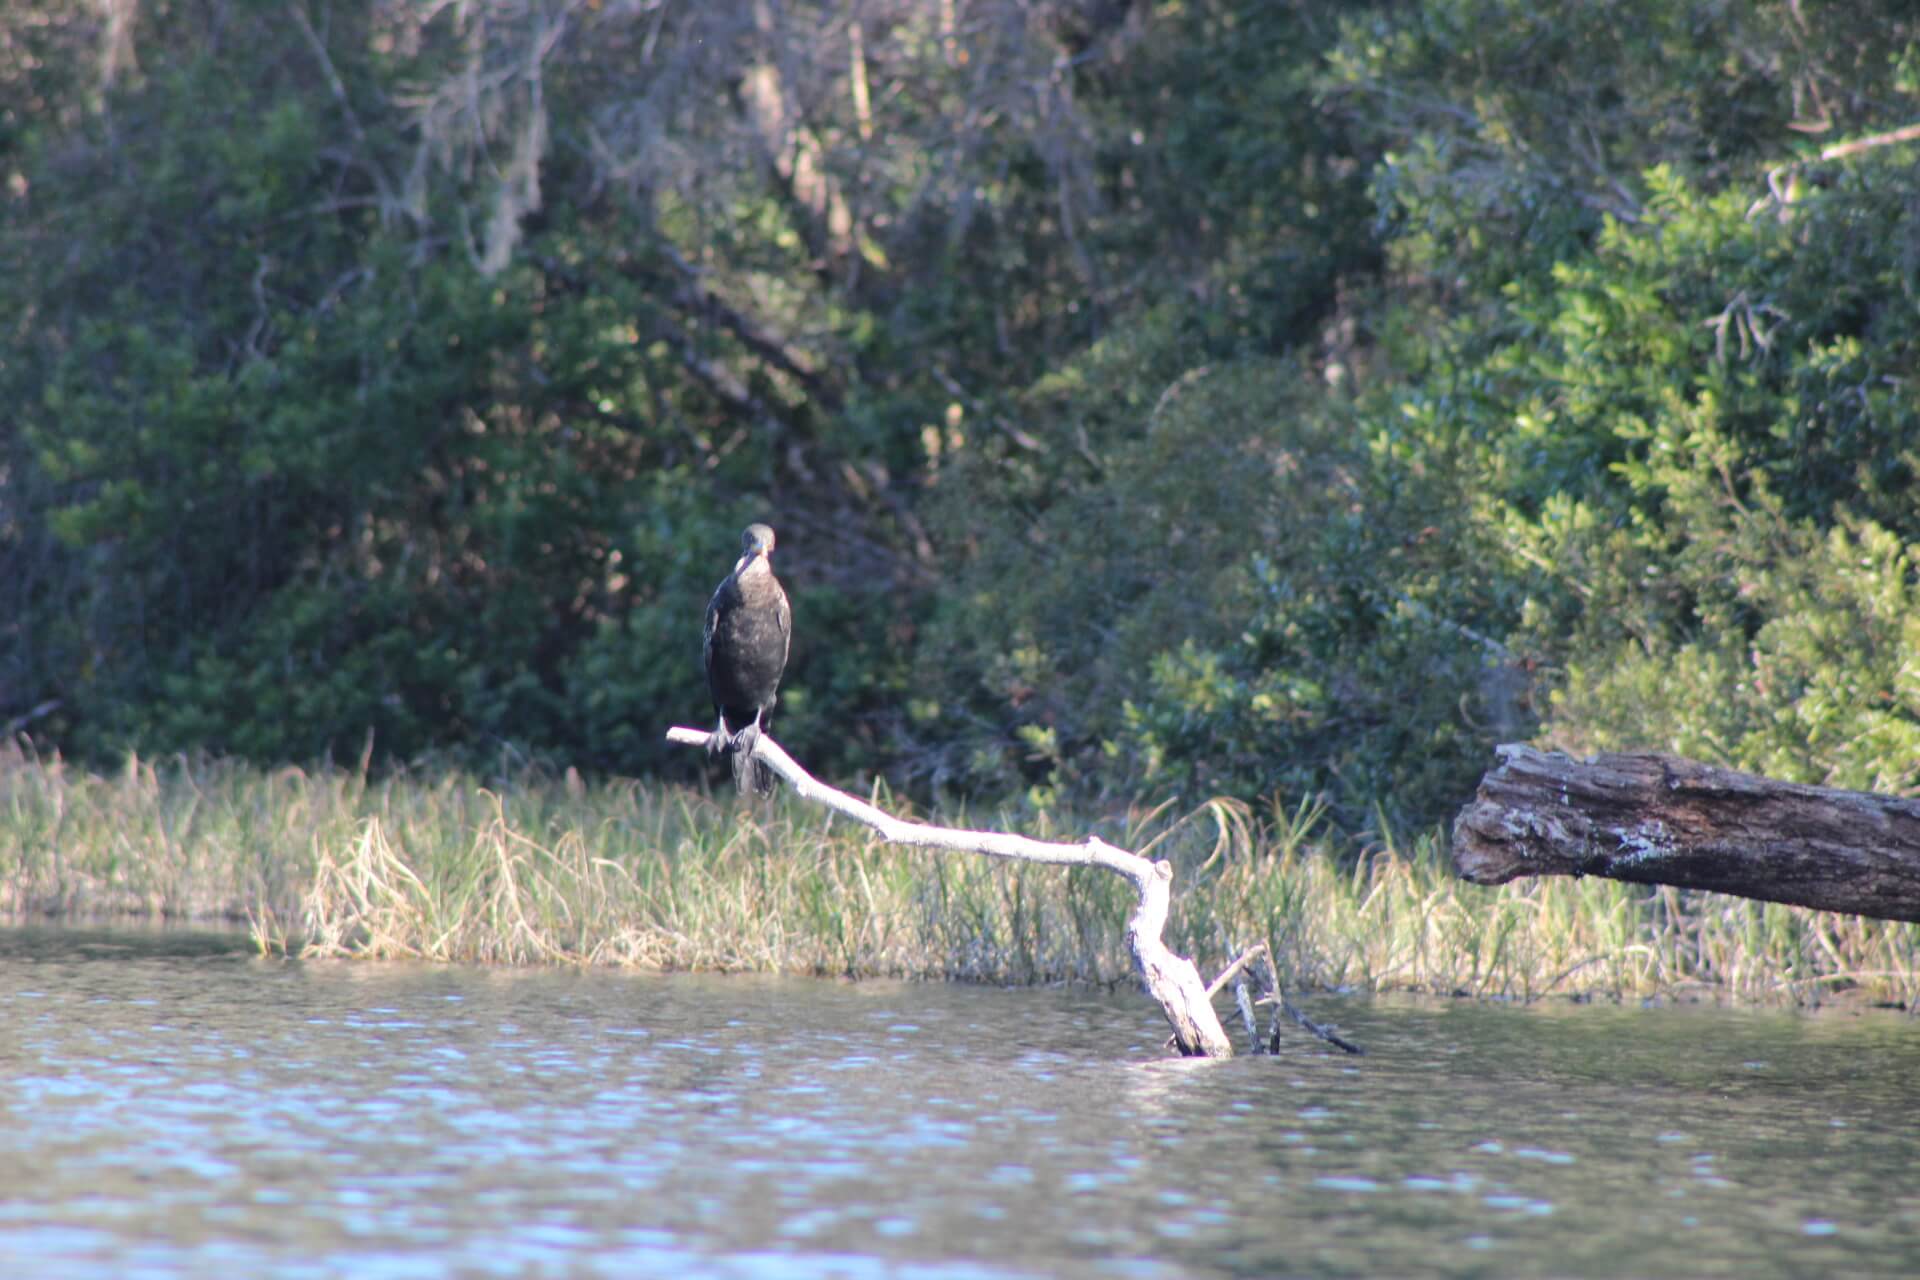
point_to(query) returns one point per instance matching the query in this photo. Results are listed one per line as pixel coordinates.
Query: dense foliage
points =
(1192, 395)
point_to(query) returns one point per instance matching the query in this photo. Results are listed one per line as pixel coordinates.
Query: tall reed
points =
(441, 864)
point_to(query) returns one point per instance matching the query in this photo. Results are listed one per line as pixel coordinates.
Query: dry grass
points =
(441, 865)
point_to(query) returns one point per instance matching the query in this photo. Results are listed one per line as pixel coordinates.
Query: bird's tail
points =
(749, 773)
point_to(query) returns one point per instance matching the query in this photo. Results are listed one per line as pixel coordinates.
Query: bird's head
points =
(756, 541)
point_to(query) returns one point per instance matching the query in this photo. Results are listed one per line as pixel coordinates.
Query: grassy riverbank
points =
(541, 869)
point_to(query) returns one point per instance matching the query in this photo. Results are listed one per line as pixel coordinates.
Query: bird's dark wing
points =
(783, 613)
(714, 608)
(706, 635)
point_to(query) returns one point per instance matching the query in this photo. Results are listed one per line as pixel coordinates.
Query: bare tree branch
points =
(694, 296)
(1170, 979)
(724, 384)
(388, 205)
(1247, 957)
(1906, 133)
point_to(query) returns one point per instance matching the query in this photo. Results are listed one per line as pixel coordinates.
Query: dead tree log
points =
(1171, 979)
(1654, 819)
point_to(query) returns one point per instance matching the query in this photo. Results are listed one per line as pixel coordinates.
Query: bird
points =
(748, 631)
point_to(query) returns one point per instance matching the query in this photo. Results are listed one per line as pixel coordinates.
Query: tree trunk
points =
(1654, 819)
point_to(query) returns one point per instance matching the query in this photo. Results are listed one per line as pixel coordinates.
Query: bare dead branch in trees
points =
(791, 150)
(1906, 133)
(1172, 980)
(1012, 430)
(117, 52)
(695, 296)
(1783, 180)
(338, 87)
(725, 385)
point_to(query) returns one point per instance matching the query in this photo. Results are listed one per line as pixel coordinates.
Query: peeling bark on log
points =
(1654, 819)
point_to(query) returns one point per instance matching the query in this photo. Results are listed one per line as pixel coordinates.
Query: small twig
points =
(1425, 614)
(1247, 957)
(262, 312)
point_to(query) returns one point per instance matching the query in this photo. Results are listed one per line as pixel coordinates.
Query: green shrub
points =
(1247, 596)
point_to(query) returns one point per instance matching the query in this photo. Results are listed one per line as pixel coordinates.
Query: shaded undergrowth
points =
(533, 868)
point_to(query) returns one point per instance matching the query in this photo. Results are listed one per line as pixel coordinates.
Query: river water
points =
(172, 1106)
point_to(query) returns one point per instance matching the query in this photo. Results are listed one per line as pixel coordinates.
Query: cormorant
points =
(748, 629)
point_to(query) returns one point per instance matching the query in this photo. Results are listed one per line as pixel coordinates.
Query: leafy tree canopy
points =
(1189, 396)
